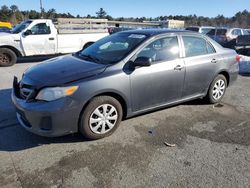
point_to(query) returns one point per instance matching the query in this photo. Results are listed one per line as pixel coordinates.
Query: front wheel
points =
(101, 117)
(7, 57)
(217, 89)
(87, 45)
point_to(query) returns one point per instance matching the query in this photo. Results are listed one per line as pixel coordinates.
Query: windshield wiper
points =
(90, 57)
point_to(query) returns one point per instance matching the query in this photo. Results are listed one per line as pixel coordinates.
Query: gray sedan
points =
(120, 76)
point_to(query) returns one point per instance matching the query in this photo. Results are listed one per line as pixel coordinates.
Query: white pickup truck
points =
(43, 37)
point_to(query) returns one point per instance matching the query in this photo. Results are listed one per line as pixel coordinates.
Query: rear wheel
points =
(101, 117)
(87, 45)
(217, 89)
(7, 57)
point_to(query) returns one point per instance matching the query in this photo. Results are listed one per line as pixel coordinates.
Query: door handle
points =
(213, 61)
(51, 38)
(178, 67)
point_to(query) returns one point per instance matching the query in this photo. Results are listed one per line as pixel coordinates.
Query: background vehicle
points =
(119, 76)
(6, 25)
(200, 29)
(113, 30)
(43, 37)
(243, 44)
(226, 36)
(5, 30)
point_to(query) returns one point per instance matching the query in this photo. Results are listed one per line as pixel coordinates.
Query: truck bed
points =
(69, 43)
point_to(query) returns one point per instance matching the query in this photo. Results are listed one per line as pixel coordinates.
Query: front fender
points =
(13, 42)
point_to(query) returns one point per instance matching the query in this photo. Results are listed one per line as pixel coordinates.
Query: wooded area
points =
(15, 16)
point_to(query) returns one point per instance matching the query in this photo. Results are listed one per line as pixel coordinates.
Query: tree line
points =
(14, 15)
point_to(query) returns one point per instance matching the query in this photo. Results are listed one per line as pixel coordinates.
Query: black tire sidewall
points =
(87, 45)
(210, 92)
(12, 55)
(84, 127)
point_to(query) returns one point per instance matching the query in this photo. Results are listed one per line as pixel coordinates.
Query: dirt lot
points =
(212, 147)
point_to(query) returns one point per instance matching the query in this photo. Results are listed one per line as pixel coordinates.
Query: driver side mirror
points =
(142, 62)
(27, 32)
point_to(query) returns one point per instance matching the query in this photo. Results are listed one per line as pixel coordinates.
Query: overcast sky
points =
(137, 8)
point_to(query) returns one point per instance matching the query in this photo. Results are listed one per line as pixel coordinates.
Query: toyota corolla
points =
(120, 76)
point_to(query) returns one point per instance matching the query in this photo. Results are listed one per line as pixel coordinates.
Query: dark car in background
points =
(120, 76)
(243, 44)
(226, 36)
(5, 30)
(200, 29)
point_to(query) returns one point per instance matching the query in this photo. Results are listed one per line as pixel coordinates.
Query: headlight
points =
(53, 93)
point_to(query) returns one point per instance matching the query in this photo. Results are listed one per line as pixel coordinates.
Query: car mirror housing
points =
(27, 32)
(142, 62)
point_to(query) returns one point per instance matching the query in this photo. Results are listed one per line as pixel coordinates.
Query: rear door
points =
(201, 63)
(41, 40)
(161, 82)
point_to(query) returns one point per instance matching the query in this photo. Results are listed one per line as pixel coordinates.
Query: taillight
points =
(237, 58)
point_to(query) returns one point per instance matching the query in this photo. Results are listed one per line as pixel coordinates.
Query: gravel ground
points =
(212, 146)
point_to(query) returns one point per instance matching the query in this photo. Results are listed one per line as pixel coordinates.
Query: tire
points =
(7, 57)
(217, 89)
(96, 129)
(87, 45)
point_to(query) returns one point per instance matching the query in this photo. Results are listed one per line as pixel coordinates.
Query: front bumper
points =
(50, 119)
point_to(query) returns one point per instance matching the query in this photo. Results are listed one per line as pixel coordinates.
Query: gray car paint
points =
(140, 89)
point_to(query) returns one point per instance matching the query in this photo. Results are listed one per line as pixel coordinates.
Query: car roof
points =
(152, 32)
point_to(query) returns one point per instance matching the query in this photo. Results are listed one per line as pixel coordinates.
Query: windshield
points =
(20, 27)
(113, 48)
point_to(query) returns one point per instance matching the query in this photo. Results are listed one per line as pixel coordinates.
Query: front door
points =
(40, 41)
(161, 82)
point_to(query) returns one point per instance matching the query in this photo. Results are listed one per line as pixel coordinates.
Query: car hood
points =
(61, 70)
(8, 38)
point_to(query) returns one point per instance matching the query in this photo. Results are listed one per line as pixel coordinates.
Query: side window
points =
(40, 29)
(163, 49)
(236, 32)
(195, 46)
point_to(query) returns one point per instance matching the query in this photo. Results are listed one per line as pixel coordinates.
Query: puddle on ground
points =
(225, 125)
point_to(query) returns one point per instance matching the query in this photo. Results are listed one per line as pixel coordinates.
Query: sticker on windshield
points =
(136, 36)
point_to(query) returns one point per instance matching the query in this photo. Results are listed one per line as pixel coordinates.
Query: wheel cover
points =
(5, 58)
(103, 119)
(219, 89)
